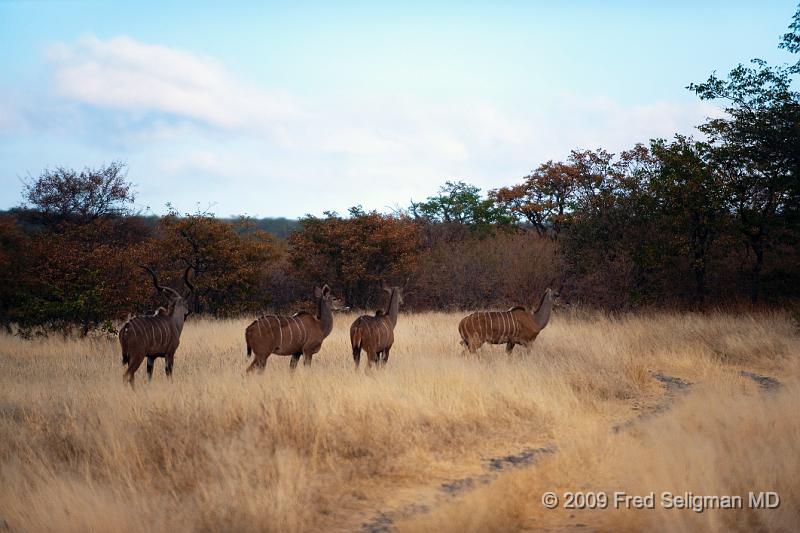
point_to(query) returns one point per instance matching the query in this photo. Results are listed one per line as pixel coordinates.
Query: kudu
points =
(375, 334)
(296, 335)
(156, 335)
(512, 327)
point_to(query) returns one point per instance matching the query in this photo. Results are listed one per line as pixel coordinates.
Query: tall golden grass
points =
(326, 448)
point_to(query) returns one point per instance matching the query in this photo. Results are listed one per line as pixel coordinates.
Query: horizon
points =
(277, 111)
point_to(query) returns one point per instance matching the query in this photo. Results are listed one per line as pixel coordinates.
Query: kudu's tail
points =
(355, 340)
(247, 334)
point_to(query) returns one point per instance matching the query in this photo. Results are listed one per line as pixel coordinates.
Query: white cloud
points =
(176, 115)
(128, 75)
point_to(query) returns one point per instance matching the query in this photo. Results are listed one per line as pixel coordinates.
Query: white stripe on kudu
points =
(291, 334)
(300, 330)
(299, 325)
(388, 333)
(292, 327)
(502, 321)
(280, 333)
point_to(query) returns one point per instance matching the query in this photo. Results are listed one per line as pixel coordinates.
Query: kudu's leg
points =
(150, 362)
(168, 360)
(307, 358)
(509, 347)
(133, 366)
(385, 356)
(357, 356)
(295, 359)
(372, 359)
(473, 344)
(259, 362)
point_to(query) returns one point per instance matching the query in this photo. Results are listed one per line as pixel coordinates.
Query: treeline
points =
(683, 222)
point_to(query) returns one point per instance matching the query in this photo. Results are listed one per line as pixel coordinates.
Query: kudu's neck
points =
(542, 315)
(394, 306)
(176, 317)
(325, 316)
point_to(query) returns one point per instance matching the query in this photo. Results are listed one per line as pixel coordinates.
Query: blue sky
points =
(281, 109)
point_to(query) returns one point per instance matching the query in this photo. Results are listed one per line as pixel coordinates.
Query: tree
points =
(74, 266)
(690, 196)
(613, 247)
(80, 276)
(755, 148)
(354, 253)
(791, 39)
(68, 195)
(461, 203)
(543, 198)
(230, 259)
(15, 277)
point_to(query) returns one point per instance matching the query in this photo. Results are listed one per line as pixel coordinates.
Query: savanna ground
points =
(436, 441)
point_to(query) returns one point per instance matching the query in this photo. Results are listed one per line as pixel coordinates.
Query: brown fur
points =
(296, 335)
(512, 327)
(375, 334)
(156, 335)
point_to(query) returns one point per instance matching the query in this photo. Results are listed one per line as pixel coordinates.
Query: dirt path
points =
(432, 496)
(766, 383)
(493, 467)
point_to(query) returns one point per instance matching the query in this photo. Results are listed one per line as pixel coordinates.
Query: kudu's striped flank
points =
(296, 335)
(375, 334)
(156, 335)
(512, 327)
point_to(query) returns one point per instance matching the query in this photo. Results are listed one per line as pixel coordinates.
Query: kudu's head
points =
(558, 295)
(178, 303)
(394, 289)
(335, 303)
(541, 316)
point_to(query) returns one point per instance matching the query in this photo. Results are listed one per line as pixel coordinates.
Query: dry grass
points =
(324, 448)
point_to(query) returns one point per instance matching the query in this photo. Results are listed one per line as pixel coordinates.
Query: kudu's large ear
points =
(326, 290)
(317, 292)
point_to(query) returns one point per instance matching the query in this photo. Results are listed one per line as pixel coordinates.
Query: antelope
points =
(512, 327)
(156, 335)
(375, 334)
(296, 335)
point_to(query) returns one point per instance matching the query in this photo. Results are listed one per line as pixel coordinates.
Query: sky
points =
(275, 109)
